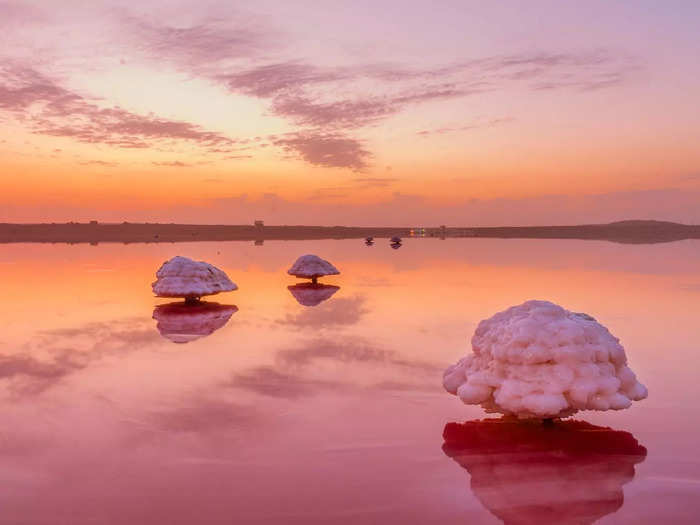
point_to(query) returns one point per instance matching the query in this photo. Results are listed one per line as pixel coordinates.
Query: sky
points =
(377, 112)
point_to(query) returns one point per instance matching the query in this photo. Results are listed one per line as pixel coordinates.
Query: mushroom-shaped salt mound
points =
(310, 294)
(312, 267)
(570, 473)
(182, 323)
(538, 360)
(183, 277)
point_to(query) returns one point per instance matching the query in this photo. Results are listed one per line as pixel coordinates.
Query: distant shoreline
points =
(631, 232)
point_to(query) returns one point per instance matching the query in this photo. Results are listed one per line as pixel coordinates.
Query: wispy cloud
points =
(203, 47)
(173, 164)
(331, 150)
(467, 127)
(103, 163)
(346, 114)
(50, 109)
(373, 182)
(272, 79)
(304, 94)
(328, 105)
(301, 91)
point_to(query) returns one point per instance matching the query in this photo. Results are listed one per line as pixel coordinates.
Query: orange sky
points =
(358, 113)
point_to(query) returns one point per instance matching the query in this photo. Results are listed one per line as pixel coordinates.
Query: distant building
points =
(94, 223)
(259, 224)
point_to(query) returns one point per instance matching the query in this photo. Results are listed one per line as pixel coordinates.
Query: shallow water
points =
(278, 411)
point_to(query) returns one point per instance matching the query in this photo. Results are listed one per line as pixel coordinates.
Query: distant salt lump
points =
(183, 277)
(538, 360)
(312, 267)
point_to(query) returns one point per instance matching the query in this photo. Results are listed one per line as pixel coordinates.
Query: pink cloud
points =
(272, 79)
(352, 113)
(332, 150)
(52, 110)
(202, 47)
(468, 127)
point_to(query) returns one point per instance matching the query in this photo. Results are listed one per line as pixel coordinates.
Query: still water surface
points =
(276, 405)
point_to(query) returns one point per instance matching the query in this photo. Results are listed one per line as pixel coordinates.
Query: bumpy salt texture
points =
(311, 267)
(538, 360)
(183, 277)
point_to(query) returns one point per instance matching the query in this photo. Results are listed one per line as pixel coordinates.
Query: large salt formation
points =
(312, 267)
(569, 473)
(538, 360)
(183, 277)
(183, 323)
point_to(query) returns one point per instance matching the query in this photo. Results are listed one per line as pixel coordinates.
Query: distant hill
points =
(628, 231)
(648, 223)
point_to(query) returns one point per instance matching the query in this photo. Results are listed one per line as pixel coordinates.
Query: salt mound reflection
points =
(570, 472)
(312, 294)
(182, 323)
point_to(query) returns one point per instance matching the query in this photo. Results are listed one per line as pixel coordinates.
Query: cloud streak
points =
(330, 150)
(468, 127)
(50, 109)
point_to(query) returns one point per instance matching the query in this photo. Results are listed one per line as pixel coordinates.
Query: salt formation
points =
(183, 323)
(183, 277)
(310, 294)
(571, 472)
(538, 360)
(312, 267)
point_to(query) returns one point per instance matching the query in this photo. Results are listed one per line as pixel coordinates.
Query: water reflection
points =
(182, 323)
(570, 472)
(312, 294)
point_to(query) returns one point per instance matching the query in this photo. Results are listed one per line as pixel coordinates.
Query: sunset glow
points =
(353, 113)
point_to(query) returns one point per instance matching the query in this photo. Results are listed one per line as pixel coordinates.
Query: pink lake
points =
(278, 407)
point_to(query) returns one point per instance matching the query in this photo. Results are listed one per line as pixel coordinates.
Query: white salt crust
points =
(312, 266)
(183, 277)
(538, 360)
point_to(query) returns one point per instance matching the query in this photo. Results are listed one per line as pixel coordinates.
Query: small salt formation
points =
(183, 323)
(183, 277)
(538, 360)
(310, 294)
(312, 267)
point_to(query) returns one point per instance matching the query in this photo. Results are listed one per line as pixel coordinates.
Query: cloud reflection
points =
(345, 311)
(334, 365)
(571, 472)
(53, 355)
